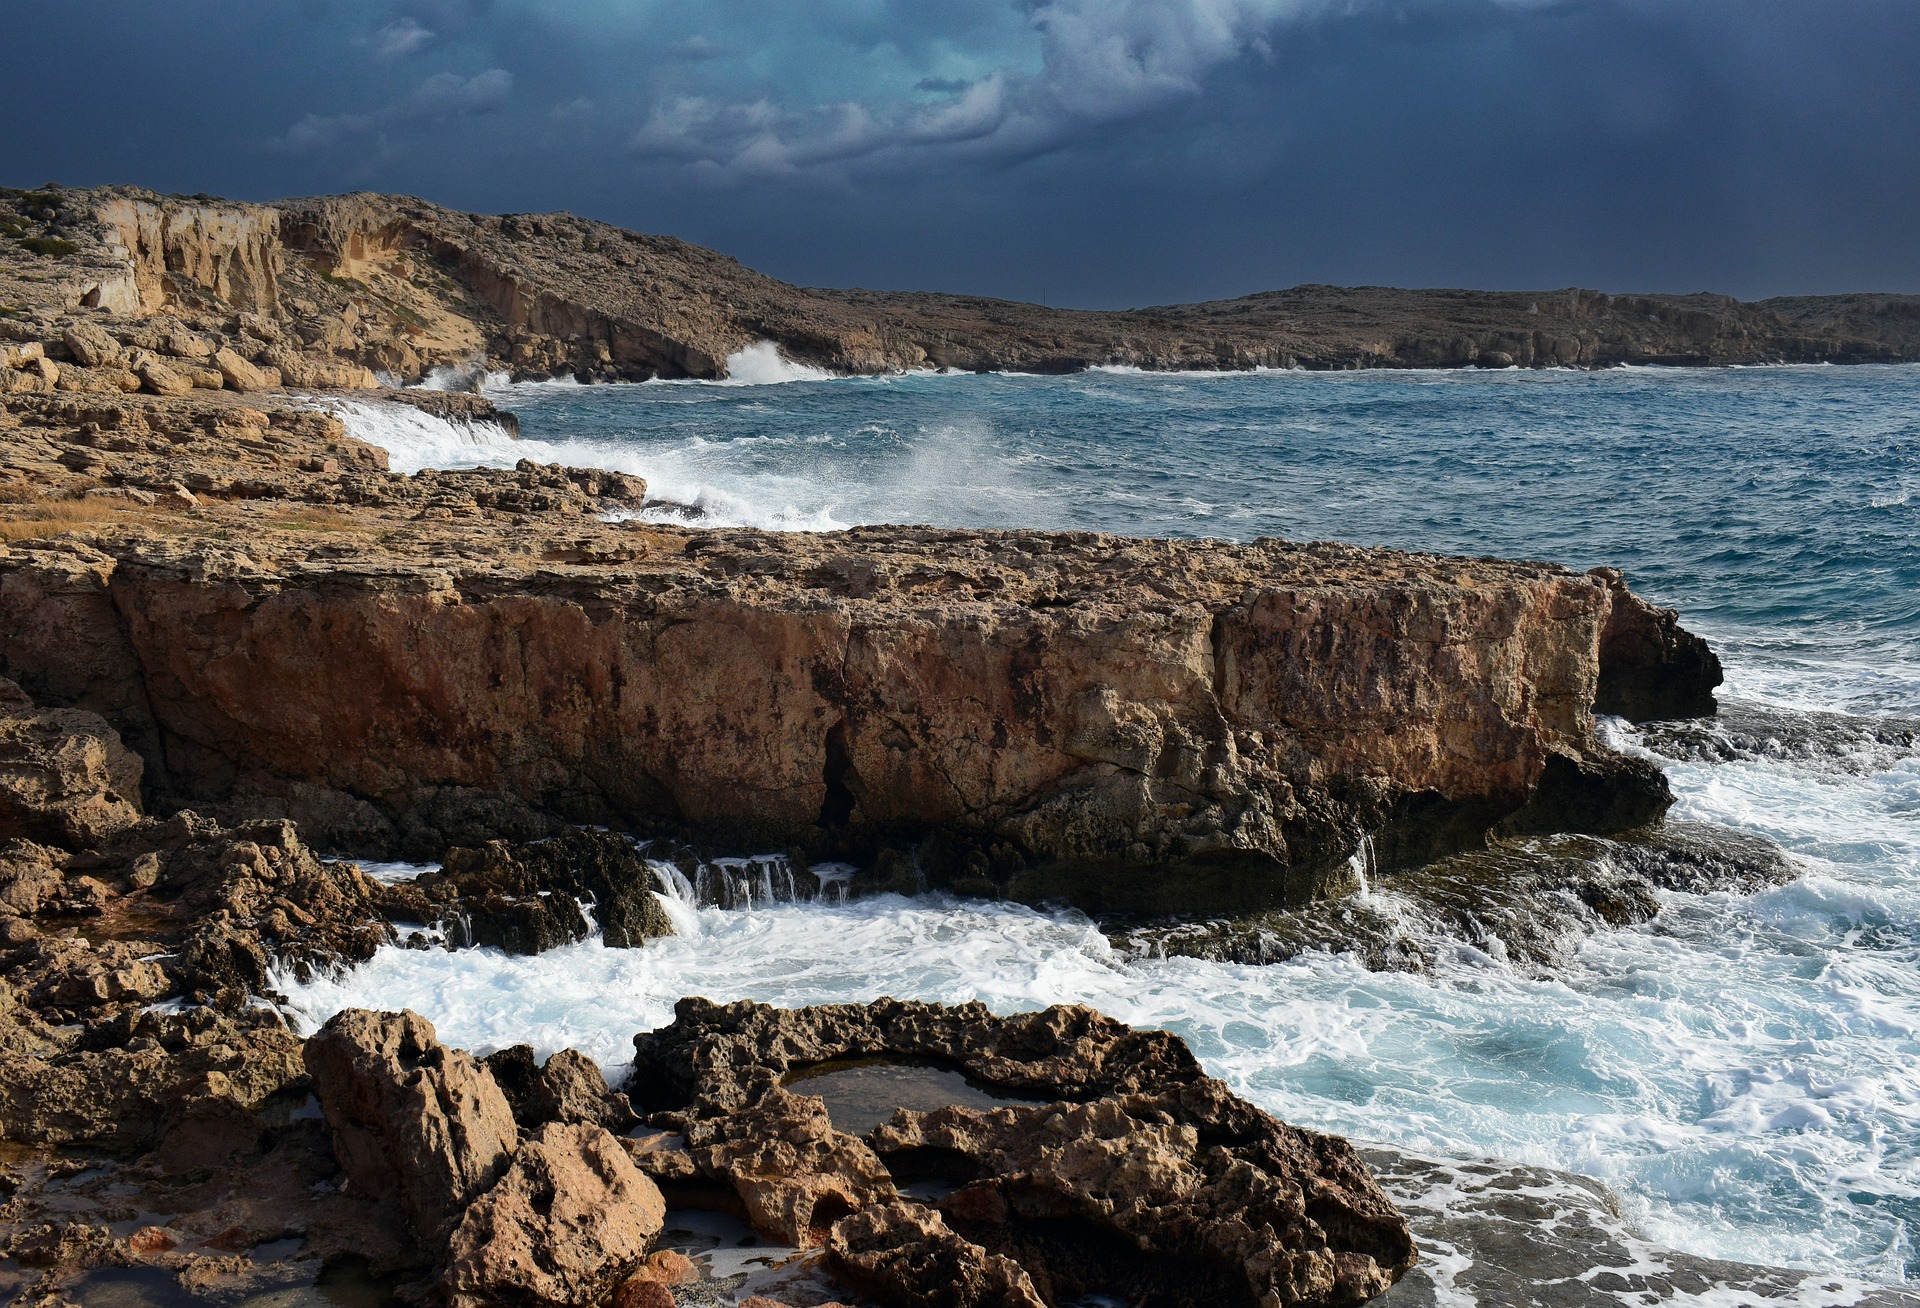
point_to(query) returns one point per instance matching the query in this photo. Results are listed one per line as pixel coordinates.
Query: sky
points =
(1089, 153)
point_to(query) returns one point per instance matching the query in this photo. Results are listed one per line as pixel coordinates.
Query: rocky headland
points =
(329, 291)
(239, 652)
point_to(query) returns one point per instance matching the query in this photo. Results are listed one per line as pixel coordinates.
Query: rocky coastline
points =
(331, 291)
(238, 653)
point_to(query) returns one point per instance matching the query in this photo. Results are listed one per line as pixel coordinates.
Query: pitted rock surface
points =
(412, 1120)
(715, 1058)
(1143, 1177)
(569, 1221)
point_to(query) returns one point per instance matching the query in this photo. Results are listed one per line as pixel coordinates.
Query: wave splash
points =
(762, 364)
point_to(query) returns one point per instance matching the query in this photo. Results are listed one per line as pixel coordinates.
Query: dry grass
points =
(58, 517)
(321, 519)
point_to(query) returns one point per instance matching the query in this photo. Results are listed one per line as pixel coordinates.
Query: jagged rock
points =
(793, 1174)
(526, 898)
(571, 1219)
(76, 974)
(257, 896)
(1650, 666)
(240, 375)
(904, 1253)
(568, 1088)
(1189, 1197)
(65, 777)
(1532, 902)
(412, 1120)
(117, 1097)
(32, 877)
(716, 1058)
(1137, 1176)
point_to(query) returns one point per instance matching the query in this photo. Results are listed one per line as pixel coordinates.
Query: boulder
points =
(238, 374)
(162, 380)
(571, 1219)
(568, 1088)
(65, 777)
(183, 344)
(412, 1120)
(90, 346)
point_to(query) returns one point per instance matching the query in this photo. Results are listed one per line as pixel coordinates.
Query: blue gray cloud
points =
(1084, 151)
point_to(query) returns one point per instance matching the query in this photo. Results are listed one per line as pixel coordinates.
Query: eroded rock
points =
(1139, 1176)
(65, 777)
(412, 1120)
(571, 1219)
(568, 1088)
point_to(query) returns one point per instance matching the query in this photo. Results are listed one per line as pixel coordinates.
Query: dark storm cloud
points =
(1087, 151)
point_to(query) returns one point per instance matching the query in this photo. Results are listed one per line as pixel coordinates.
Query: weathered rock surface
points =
(1138, 1175)
(65, 777)
(792, 1173)
(570, 1220)
(411, 1119)
(906, 1253)
(1530, 902)
(1030, 714)
(567, 1088)
(1508, 1234)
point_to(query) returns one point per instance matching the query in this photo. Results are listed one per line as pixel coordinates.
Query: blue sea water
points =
(1745, 1071)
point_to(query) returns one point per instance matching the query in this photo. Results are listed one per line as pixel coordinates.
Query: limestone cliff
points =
(408, 662)
(318, 292)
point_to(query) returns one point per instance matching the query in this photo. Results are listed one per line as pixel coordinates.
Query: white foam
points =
(391, 873)
(415, 439)
(762, 364)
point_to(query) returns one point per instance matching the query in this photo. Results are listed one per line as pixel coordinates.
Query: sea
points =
(1743, 1071)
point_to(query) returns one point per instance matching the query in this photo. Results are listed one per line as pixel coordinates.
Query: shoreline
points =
(232, 637)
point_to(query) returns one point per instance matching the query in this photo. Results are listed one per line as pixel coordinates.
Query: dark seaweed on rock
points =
(526, 897)
(1529, 902)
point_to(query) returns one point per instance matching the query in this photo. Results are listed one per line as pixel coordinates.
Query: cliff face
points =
(405, 663)
(310, 288)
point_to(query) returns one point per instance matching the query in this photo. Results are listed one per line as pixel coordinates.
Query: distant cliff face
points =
(307, 290)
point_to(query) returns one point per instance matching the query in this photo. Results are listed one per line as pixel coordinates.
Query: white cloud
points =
(1100, 61)
(399, 39)
(437, 99)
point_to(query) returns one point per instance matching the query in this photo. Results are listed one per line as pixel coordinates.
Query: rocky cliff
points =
(407, 662)
(316, 292)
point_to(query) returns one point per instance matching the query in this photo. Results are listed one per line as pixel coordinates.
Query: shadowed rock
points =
(528, 897)
(567, 1088)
